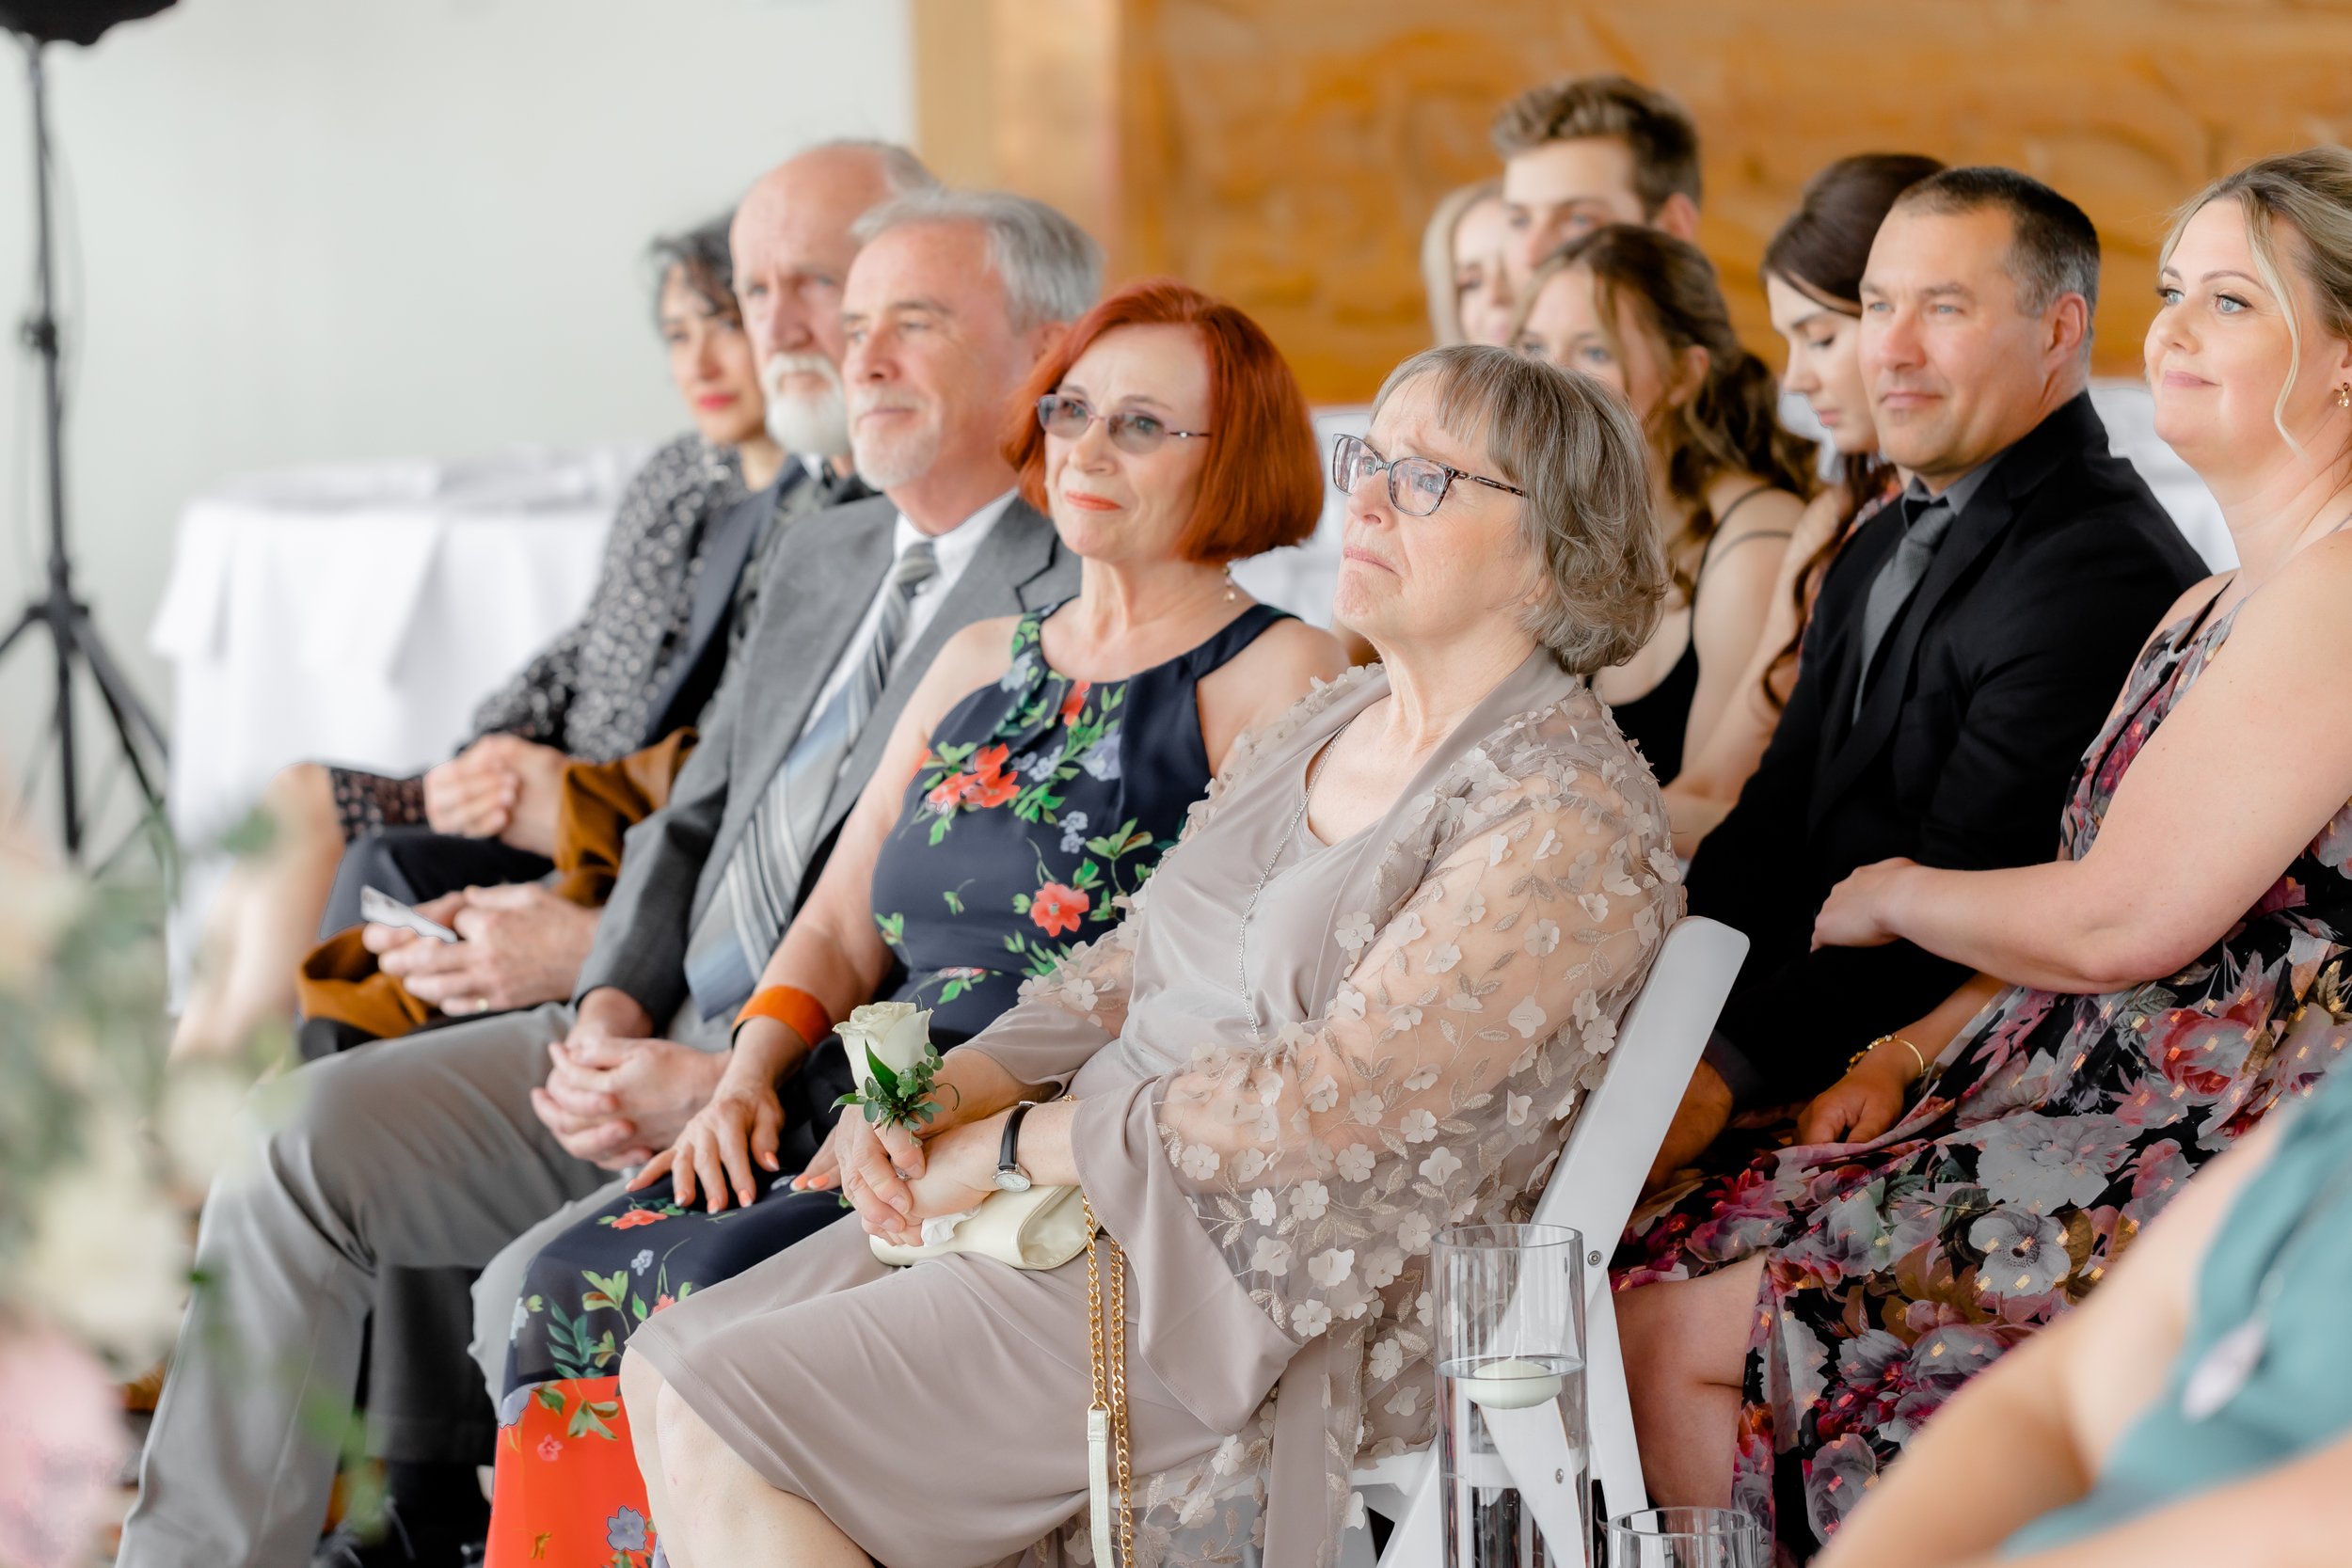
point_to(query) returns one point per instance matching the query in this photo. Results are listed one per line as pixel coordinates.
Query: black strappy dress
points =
(1658, 719)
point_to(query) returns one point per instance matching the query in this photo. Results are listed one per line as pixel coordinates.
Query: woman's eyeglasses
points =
(1135, 434)
(1417, 485)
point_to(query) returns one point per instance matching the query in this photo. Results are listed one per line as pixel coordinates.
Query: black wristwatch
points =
(1010, 1178)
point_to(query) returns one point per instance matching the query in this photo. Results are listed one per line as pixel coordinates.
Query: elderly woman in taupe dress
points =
(1358, 1002)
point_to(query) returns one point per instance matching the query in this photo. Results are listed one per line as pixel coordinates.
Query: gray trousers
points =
(422, 1404)
(420, 1152)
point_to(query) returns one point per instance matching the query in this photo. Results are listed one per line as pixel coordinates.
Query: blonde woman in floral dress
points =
(2184, 967)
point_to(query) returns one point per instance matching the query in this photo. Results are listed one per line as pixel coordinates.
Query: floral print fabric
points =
(576, 1427)
(1028, 816)
(2054, 1128)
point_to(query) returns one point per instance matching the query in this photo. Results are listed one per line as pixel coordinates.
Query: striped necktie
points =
(765, 871)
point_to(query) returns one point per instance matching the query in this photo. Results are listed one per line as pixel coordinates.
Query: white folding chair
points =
(1591, 1189)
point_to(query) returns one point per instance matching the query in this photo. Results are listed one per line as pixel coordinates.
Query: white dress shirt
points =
(953, 551)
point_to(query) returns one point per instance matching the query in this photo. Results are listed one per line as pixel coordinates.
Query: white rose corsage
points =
(892, 1061)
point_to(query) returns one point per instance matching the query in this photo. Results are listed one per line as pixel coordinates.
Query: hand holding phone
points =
(382, 909)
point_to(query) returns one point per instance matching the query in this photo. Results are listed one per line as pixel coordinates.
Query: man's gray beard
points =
(901, 461)
(815, 426)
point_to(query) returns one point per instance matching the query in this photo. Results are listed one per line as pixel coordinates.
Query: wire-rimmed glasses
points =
(1417, 485)
(1139, 434)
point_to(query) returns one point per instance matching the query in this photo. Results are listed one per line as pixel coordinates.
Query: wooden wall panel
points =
(1285, 152)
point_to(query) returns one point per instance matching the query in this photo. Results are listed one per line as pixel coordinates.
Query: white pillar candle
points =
(1511, 1384)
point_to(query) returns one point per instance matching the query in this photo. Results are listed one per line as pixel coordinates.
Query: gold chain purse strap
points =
(1106, 1416)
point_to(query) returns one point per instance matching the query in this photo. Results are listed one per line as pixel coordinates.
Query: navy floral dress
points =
(1042, 800)
(2051, 1129)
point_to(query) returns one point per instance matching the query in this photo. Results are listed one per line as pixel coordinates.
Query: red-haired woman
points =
(1036, 775)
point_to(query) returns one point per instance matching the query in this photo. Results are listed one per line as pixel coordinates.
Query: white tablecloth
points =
(357, 614)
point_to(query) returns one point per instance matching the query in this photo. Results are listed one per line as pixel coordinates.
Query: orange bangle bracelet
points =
(792, 1008)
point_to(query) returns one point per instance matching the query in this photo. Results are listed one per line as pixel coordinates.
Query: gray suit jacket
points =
(821, 578)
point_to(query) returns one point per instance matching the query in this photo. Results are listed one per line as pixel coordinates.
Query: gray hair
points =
(902, 171)
(1052, 269)
(1588, 523)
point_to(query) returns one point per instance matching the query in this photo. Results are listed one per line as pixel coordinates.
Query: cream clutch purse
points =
(1042, 1229)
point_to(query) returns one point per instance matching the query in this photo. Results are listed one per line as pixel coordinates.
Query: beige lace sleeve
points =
(1465, 1031)
(1512, 917)
(1064, 1018)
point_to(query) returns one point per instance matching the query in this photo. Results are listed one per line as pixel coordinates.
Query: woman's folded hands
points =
(714, 1155)
(741, 1125)
(895, 1181)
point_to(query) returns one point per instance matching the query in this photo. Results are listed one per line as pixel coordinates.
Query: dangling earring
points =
(1232, 590)
(2344, 394)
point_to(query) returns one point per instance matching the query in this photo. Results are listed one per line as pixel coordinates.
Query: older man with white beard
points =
(792, 243)
(444, 1147)
(522, 945)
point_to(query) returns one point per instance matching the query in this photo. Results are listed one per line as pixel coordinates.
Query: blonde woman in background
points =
(1461, 266)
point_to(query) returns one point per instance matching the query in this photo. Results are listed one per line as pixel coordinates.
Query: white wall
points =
(299, 230)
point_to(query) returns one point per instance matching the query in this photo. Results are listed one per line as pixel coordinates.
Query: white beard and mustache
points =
(805, 424)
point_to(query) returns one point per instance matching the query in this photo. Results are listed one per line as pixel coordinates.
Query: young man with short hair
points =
(1592, 151)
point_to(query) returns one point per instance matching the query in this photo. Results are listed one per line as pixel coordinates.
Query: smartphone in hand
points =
(382, 909)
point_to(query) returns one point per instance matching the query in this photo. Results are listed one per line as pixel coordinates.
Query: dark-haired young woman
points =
(1813, 284)
(1641, 311)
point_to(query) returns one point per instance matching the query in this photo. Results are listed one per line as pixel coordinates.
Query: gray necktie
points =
(764, 873)
(1925, 523)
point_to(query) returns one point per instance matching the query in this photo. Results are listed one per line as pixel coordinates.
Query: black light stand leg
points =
(69, 772)
(71, 633)
(129, 717)
(25, 623)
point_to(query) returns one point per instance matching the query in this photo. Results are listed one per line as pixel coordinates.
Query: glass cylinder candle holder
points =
(1511, 1424)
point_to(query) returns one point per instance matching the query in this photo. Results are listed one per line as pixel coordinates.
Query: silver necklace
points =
(2224, 1370)
(1241, 937)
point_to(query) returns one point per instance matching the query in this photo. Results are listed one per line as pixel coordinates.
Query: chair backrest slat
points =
(1624, 1119)
(1593, 1188)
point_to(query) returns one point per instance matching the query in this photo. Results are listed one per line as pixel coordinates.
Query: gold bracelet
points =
(1917, 1054)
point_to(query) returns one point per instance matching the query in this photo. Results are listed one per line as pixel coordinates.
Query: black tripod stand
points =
(71, 633)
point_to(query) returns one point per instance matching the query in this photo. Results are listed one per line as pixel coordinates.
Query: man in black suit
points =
(1965, 647)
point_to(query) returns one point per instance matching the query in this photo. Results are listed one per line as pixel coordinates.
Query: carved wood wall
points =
(1286, 153)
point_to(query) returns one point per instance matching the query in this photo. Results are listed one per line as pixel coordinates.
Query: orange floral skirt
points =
(568, 1494)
